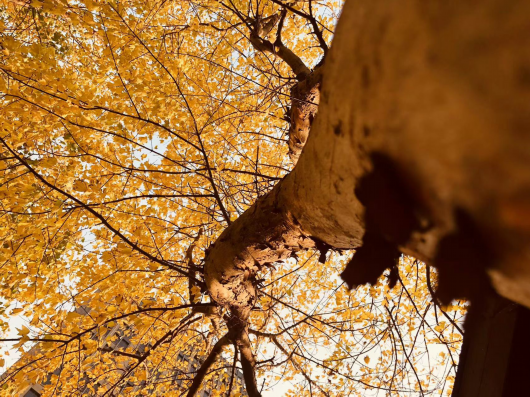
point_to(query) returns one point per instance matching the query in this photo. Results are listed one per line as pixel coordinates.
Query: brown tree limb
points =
(210, 360)
(233, 374)
(319, 199)
(274, 178)
(238, 331)
(305, 97)
(312, 20)
(194, 297)
(259, 28)
(296, 64)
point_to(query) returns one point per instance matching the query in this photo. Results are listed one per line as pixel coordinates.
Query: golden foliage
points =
(127, 127)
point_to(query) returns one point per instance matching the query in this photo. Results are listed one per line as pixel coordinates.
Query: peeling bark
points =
(442, 92)
(194, 297)
(445, 103)
(265, 234)
(305, 97)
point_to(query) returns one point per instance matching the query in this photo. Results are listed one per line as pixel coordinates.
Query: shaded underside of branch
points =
(206, 365)
(409, 150)
(438, 150)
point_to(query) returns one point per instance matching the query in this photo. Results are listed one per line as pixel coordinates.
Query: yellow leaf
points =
(196, 291)
(72, 316)
(124, 248)
(80, 186)
(107, 256)
(24, 331)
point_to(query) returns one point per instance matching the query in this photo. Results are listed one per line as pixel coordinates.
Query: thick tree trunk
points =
(206, 365)
(442, 90)
(422, 141)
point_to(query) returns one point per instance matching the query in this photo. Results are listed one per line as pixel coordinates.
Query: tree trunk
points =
(421, 144)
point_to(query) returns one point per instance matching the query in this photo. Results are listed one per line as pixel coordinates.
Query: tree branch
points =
(193, 272)
(317, 32)
(203, 370)
(233, 374)
(239, 332)
(96, 214)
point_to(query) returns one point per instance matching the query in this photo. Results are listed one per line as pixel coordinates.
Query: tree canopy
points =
(132, 134)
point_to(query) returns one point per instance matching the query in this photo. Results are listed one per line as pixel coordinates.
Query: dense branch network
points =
(136, 139)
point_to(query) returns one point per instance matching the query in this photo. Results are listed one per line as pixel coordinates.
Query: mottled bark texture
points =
(265, 234)
(305, 97)
(421, 145)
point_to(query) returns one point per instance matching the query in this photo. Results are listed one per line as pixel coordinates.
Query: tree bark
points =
(424, 124)
(305, 97)
(421, 145)
(206, 365)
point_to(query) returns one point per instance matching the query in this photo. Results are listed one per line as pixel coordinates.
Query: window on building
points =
(32, 393)
(122, 344)
(128, 387)
(141, 348)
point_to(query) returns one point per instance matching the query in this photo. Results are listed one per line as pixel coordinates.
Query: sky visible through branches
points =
(132, 134)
